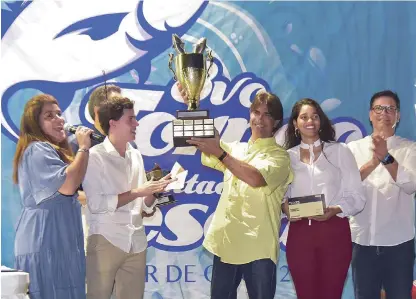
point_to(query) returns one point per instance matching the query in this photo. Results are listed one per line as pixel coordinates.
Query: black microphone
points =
(93, 136)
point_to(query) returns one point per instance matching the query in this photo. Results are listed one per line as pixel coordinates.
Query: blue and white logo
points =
(66, 49)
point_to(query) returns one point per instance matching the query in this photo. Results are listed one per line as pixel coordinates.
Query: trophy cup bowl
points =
(156, 174)
(191, 72)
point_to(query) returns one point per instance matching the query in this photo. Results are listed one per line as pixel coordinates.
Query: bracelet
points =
(81, 150)
(223, 155)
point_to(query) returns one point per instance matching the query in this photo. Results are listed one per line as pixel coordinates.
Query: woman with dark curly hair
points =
(319, 248)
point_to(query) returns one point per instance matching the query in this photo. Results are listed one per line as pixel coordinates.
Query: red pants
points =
(318, 257)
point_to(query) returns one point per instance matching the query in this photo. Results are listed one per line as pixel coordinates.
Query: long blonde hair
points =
(31, 131)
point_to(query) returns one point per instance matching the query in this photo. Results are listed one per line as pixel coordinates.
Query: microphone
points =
(93, 136)
(395, 122)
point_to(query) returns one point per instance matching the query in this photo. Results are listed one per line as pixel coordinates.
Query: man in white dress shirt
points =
(383, 233)
(117, 192)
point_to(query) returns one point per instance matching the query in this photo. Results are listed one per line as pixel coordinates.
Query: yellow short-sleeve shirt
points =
(246, 223)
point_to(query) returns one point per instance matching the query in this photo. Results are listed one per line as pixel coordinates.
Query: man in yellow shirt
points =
(243, 235)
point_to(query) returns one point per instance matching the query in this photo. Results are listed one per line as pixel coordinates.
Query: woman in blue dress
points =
(49, 242)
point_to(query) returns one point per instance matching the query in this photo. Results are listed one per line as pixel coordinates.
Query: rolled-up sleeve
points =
(212, 161)
(352, 193)
(406, 172)
(98, 202)
(146, 209)
(47, 170)
(275, 169)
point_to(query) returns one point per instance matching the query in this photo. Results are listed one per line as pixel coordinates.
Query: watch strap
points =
(223, 155)
(388, 159)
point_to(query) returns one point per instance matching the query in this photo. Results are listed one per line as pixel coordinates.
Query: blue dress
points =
(49, 240)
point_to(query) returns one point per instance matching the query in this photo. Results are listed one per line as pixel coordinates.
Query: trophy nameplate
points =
(191, 73)
(192, 124)
(306, 206)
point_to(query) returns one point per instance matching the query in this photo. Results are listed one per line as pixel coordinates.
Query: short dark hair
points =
(274, 105)
(326, 131)
(113, 108)
(385, 93)
(100, 95)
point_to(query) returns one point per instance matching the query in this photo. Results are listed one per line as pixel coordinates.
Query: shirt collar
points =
(262, 142)
(109, 147)
(392, 141)
(308, 146)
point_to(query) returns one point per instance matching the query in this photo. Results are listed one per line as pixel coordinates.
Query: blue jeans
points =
(390, 267)
(259, 276)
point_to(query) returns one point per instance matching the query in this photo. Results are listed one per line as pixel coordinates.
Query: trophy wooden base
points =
(306, 206)
(165, 199)
(192, 123)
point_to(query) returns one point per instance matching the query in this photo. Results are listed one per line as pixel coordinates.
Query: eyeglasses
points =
(389, 109)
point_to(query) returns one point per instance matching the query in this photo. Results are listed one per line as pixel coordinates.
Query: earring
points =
(320, 130)
(297, 132)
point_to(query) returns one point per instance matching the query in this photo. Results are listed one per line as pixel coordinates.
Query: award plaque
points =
(306, 206)
(156, 174)
(191, 73)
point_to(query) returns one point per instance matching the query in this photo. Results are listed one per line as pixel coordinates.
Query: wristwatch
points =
(223, 155)
(388, 159)
(82, 150)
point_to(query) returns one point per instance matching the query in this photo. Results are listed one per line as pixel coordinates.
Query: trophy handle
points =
(170, 66)
(211, 61)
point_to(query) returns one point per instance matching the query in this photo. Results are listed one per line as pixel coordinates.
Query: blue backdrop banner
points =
(338, 53)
